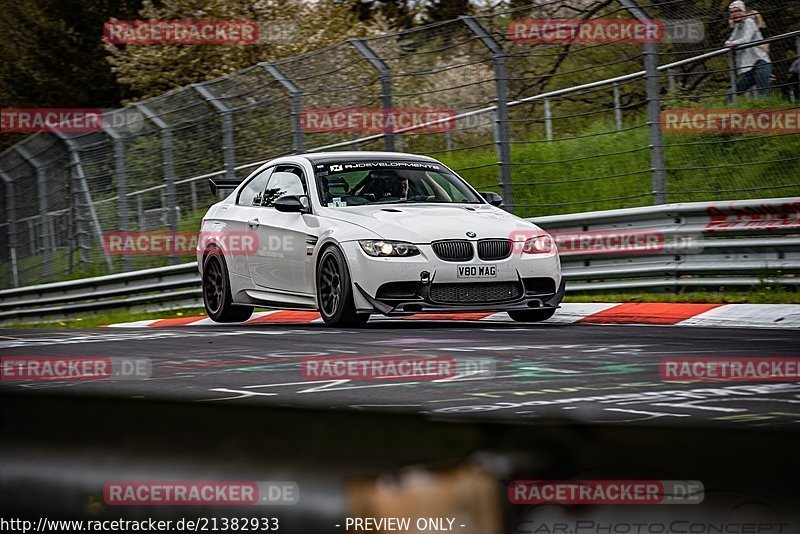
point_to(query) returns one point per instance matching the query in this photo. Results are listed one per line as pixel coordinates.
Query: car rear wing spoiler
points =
(216, 184)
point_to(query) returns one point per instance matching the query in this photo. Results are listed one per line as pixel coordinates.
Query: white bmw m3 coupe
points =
(357, 233)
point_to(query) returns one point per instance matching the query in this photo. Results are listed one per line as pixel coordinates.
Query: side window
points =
(286, 180)
(252, 194)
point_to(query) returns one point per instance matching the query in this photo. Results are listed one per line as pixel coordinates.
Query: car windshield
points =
(357, 184)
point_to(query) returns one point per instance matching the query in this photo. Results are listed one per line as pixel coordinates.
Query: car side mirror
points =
(492, 198)
(291, 204)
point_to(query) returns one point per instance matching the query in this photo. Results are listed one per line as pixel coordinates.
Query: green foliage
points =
(287, 28)
(93, 320)
(52, 55)
(403, 13)
(596, 167)
(439, 10)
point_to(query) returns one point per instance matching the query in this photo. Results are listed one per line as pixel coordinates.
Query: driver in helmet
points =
(390, 185)
(397, 187)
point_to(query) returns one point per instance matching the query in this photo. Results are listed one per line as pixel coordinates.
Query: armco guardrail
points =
(698, 244)
(173, 286)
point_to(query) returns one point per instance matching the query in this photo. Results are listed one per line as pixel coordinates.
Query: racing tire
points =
(217, 297)
(335, 291)
(531, 316)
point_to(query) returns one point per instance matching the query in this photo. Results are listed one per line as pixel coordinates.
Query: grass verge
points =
(754, 296)
(92, 320)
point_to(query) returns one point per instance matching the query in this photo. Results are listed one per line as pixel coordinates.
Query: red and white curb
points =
(785, 316)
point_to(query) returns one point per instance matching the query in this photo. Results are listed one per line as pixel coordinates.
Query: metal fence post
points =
(671, 82)
(77, 169)
(140, 211)
(793, 96)
(77, 230)
(41, 192)
(298, 141)
(617, 107)
(385, 74)
(11, 227)
(653, 87)
(169, 169)
(193, 192)
(32, 236)
(732, 75)
(548, 120)
(502, 137)
(122, 186)
(226, 116)
(657, 155)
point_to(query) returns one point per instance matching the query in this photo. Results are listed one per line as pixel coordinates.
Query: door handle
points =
(253, 223)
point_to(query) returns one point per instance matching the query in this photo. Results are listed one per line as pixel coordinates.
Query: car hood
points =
(423, 223)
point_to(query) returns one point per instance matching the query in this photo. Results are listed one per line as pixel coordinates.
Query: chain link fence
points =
(555, 127)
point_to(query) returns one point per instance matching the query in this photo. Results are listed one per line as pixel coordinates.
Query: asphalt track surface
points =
(584, 373)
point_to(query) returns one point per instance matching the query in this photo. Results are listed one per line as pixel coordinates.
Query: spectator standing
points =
(752, 64)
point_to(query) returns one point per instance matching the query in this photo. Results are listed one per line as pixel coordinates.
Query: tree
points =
(53, 54)
(402, 14)
(439, 10)
(288, 28)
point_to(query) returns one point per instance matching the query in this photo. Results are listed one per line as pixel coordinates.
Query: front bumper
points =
(398, 286)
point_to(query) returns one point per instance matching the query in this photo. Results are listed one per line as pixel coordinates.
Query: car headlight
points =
(542, 244)
(385, 249)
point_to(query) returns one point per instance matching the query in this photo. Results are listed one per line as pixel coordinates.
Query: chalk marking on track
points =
(654, 414)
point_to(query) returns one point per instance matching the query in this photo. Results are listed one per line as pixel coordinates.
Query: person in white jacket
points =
(752, 64)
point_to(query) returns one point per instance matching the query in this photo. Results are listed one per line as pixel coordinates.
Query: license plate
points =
(477, 271)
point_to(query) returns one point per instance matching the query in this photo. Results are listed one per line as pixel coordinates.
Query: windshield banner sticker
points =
(368, 165)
